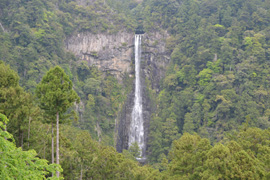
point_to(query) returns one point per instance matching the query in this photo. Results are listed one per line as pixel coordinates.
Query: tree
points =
(78, 151)
(15, 103)
(231, 162)
(189, 124)
(256, 142)
(134, 149)
(170, 131)
(187, 156)
(19, 164)
(155, 140)
(56, 96)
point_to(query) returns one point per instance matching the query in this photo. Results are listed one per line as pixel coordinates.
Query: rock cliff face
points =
(108, 52)
(85, 2)
(115, 53)
(155, 58)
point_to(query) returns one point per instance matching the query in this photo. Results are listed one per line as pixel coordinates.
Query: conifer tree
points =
(56, 96)
(14, 102)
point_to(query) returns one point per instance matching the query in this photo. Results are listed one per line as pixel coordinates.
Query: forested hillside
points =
(218, 77)
(211, 111)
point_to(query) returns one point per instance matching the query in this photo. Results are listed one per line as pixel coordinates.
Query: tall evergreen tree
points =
(15, 103)
(56, 96)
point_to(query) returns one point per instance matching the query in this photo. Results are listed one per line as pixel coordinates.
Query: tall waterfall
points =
(136, 133)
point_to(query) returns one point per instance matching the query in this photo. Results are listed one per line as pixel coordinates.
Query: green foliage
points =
(102, 96)
(55, 92)
(89, 159)
(8, 77)
(18, 164)
(134, 150)
(217, 77)
(231, 162)
(15, 103)
(205, 77)
(188, 124)
(92, 86)
(83, 71)
(187, 155)
(193, 157)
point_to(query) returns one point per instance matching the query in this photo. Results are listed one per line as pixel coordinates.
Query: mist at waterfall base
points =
(136, 133)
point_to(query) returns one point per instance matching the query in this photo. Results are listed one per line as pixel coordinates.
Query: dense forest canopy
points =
(212, 110)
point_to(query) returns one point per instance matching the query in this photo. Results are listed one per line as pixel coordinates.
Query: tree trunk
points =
(57, 142)
(28, 136)
(44, 151)
(20, 143)
(22, 139)
(2, 27)
(5, 129)
(52, 145)
(81, 172)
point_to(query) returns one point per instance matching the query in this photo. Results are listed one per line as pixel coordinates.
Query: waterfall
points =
(136, 133)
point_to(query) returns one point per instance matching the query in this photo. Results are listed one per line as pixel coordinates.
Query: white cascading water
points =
(136, 133)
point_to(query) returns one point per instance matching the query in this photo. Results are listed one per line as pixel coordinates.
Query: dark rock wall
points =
(124, 123)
